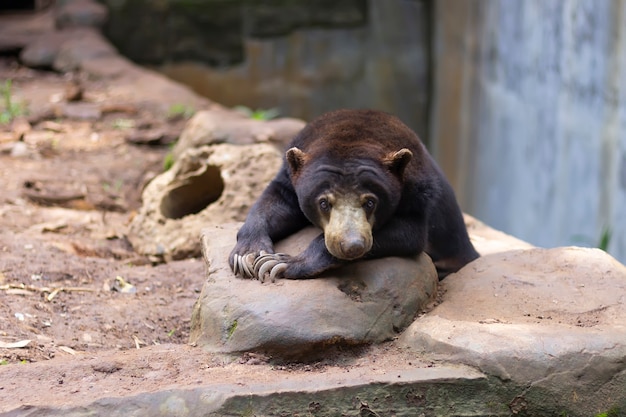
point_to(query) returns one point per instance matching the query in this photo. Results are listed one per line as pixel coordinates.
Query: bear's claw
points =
(244, 265)
(259, 267)
(272, 263)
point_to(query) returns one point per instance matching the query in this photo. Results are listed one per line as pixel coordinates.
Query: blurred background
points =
(523, 103)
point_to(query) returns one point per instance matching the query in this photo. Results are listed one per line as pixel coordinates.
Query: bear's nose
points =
(353, 248)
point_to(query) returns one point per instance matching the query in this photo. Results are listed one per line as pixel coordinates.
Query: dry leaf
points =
(138, 342)
(122, 286)
(52, 226)
(14, 345)
(53, 294)
(68, 350)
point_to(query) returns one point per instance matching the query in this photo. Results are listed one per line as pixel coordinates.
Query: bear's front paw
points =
(270, 265)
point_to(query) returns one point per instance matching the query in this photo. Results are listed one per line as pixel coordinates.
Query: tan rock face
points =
(572, 286)
(224, 161)
(220, 126)
(207, 186)
(553, 319)
(364, 302)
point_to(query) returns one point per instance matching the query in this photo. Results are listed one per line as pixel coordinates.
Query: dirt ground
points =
(68, 189)
(74, 296)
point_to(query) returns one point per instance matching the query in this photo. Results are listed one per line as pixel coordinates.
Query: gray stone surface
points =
(84, 49)
(214, 31)
(67, 49)
(221, 126)
(382, 64)
(18, 30)
(80, 13)
(86, 44)
(260, 390)
(43, 50)
(361, 303)
(553, 320)
(207, 186)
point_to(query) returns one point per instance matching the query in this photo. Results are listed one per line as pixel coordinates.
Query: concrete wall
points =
(522, 102)
(533, 95)
(383, 64)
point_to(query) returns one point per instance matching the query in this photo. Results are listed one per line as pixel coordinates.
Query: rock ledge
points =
(364, 302)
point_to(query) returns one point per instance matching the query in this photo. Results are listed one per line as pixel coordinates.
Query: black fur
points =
(353, 151)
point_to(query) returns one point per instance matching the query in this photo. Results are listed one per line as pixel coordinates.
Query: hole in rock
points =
(194, 194)
(19, 5)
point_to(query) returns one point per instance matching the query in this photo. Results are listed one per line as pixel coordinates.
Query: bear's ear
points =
(397, 161)
(296, 159)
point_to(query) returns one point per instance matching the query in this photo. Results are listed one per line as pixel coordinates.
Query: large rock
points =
(80, 13)
(488, 240)
(19, 29)
(220, 126)
(123, 384)
(207, 186)
(550, 320)
(42, 51)
(85, 44)
(361, 303)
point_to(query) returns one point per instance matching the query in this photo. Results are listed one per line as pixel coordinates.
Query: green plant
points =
(123, 123)
(611, 412)
(168, 161)
(258, 114)
(605, 238)
(180, 110)
(248, 411)
(115, 187)
(232, 328)
(602, 243)
(11, 109)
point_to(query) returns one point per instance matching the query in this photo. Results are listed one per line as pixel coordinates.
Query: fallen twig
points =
(138, 342)
(22, 289)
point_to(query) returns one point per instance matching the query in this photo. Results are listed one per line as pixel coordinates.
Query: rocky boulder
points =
(224, 161)
(75, 50)
(207, 186)
(550, 320)
(80, 13)
(364, 302)
(221, 126)
(42, 51)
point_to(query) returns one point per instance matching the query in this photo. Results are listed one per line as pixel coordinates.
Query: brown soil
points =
(68, 188)
(64, 205)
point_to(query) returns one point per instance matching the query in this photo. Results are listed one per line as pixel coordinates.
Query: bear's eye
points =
(324, 204)
(370, 204)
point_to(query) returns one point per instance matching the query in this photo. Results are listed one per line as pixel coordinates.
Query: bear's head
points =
(348, 198)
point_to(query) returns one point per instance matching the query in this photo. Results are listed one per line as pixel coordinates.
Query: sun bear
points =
(367, 181)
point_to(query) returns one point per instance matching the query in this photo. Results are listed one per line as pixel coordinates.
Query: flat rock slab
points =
(364, 302)
(111, 384)
(550, 319)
